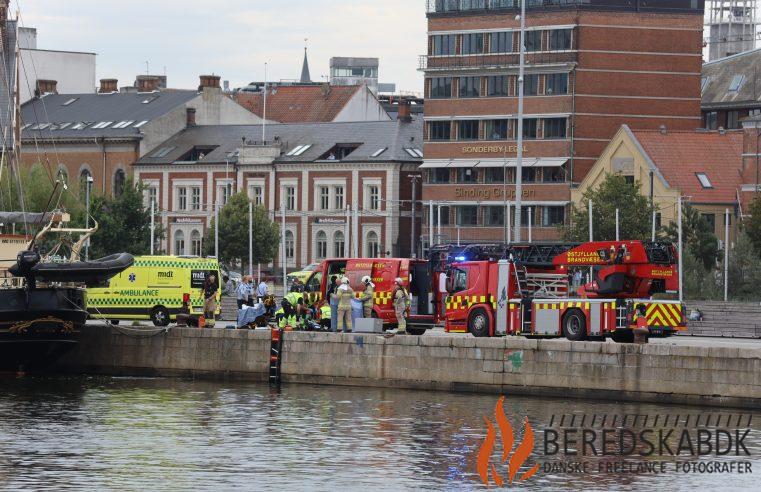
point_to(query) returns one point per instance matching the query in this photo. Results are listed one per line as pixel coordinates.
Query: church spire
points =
(305, 78)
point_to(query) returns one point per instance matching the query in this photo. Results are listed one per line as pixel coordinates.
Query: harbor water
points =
(101, 433)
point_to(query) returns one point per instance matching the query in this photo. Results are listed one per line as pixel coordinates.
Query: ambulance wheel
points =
(575, 325)
(160, 316)
(114, 321)
(478, 323)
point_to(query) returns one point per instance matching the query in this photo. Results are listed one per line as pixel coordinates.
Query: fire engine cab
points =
(580, 291)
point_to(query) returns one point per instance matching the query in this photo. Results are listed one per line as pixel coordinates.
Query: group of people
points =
(340, 295)
(247, 295)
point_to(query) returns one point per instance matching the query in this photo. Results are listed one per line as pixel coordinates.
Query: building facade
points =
(343, 188)
(731, 90)
(590, 67)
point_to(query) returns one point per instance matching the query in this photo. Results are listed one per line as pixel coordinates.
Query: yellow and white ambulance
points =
(153, 288)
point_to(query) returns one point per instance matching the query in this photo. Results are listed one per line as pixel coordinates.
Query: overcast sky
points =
(233, 38)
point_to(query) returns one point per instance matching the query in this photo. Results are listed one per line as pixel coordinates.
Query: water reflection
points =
(121, 433)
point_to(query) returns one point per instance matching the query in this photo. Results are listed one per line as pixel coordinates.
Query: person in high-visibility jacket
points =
(345, 294)
(367, 297)
(401, 303)
(286, 315)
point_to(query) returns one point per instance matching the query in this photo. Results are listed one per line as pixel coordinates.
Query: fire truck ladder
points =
(553, 285)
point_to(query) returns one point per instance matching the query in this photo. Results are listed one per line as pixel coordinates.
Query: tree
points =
(635, 212)
(753, 225)
(744, 271)
(698, 238)
(699, 283)
(233, 233)
(123, 223)
(36, 190)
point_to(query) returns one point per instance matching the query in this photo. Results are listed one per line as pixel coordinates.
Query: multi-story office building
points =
(591, 66)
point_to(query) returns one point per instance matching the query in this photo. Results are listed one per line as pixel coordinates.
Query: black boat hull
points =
(38, 326)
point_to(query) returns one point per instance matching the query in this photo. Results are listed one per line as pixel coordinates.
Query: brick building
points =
(591, 66)
(731, 90)
(345, 187)
(101, 135)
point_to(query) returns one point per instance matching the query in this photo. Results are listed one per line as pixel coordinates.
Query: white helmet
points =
(345, 280)
(398, 281)
(366, 279)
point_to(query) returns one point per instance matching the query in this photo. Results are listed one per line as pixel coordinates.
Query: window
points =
(290, 246)
(339, 197)
(101, 124)
(324, 198)
(459, 280)
(529, 128)
(256, 194)
(439, 130)
(373, 197)
(443, 45)
(123, 124)
(533, 40)
(472, 44)
(414, 153)
(470, 86)
(195, 198)
(322, 245)
(556, 83)
(152, 196)
(494, 175)
(290, 197)
(439, 175)
(737, 82)
(496, 129)
(379, 152)
(553, 174)
(70, 101)
(83, 181)
(560, 39)
(373, 245)
(442, 214)
(712, 120)
(179, 243)
(733, 119)
(339, 152)
(527, 216)
(339, 244)
(467, 215)
(441, 87)
(711, 221)
(496, 85)
(466, 175)
(629, 179)
(298, 150)
(554, 127)
(182, 198)
(468, 130)
(224, 190)
(531, 85)
(704, 181)
(725, 217)
(162, 152)
(195, 243)
(553, 216)
(120, 180)
(529, 174)
(494, 216)
(501, 42)
(138, 125)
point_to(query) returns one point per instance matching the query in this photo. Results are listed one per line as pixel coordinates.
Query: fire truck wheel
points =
(478, 323)
(574, 325)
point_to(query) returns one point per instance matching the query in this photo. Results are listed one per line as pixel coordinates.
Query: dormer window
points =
(339, 152)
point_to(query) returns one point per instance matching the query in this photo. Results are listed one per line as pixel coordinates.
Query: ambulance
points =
(383, 271)
(153, 288)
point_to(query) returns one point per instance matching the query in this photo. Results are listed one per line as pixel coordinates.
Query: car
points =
(302, 274)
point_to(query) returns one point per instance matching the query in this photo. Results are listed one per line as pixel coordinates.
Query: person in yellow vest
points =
(367, 297)
(286, 315)
(401, 302)
(345, 294)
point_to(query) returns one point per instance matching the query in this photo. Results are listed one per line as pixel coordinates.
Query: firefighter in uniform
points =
(401, 301)
(345, 294)
(209, 291)
(367, 297)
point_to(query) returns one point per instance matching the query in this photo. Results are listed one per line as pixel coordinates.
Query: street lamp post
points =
(519, 150)
(88, 186)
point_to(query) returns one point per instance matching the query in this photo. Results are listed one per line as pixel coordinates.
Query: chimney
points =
(147, 83)
(662, 129)
(404, 111)
(108, 85)
(191, 116)
(46, 87)
(209, 81)
(722, 131)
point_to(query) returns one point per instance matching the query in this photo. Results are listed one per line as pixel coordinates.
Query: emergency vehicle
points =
(153, 288)
(528, 289)
(415, 275)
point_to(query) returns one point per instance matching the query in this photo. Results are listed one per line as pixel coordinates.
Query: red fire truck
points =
(415, 276)
(530, 289)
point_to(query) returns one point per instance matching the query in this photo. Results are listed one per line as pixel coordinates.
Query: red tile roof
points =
(679, 155)
(300, 104)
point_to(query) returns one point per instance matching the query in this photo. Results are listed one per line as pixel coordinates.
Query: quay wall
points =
(717, 376)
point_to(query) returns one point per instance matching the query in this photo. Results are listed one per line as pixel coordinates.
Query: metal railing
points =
(488, 60)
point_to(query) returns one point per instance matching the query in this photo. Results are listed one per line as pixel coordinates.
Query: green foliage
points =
(635, 212)
(744, 271)
(124, 223)
(700, 284)
(753, 225)
(698, 238)
(37, 188)
(233, 233)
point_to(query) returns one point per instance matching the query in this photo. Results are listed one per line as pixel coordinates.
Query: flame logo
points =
(522, 452)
